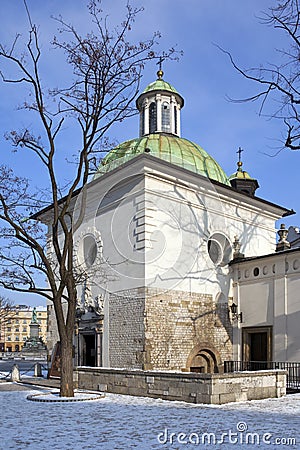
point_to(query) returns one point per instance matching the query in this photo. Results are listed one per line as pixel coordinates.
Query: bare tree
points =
(7, 312)
(280, 82)
(106, 73)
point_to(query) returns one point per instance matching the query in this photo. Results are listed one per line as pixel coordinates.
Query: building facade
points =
(164, 236)
(266, 290)
(15, 329)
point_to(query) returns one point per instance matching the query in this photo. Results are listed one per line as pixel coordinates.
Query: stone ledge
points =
(181, 374)
(188, 387)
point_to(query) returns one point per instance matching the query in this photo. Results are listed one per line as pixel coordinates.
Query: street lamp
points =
(234, 313)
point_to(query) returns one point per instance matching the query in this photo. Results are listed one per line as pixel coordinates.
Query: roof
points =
(160, 85)
(240, 173)
(268, 255)
(170, 148)
(117, 169)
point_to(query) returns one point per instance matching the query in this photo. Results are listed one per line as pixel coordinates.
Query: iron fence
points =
(292, 368)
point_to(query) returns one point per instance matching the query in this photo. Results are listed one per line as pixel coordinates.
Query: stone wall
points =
(188, 387)
(165, 330)
(176, 323)
(126, 329)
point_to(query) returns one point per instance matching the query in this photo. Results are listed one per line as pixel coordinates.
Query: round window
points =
(214, 251)
(219, 249)
(89, 250)
(256, 271)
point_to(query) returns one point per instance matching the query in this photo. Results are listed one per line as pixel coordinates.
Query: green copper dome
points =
(167, 147)
(160, 85)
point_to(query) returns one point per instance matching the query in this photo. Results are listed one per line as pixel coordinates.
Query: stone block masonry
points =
(126, 329)
(152, 329)
(189, 387)
(178, 322)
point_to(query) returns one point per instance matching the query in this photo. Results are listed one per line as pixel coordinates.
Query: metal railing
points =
(292, 368)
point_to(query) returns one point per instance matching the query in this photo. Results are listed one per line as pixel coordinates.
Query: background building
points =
(15, 330)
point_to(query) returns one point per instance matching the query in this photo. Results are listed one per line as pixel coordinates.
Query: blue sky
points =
(203, 76)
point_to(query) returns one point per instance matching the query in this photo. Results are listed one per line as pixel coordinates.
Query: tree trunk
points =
(66, 380)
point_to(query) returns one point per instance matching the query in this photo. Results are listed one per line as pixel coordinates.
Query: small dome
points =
(172, 149)
(242, 181)
(240, 173)
(159, 85)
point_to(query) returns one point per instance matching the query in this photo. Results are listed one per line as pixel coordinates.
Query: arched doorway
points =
(204, 359)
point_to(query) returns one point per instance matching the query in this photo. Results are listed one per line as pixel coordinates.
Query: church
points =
(182, 267)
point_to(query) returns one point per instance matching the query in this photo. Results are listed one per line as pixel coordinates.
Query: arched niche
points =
(204, 358)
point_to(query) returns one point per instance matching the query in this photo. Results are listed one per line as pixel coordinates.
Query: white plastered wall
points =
(271, 298)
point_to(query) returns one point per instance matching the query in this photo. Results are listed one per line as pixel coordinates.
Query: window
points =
(8, 328)
(219, 249)
(214, 251)
(89, 250)
(165, 117)
(152, 118)
(8, 338)
(17, 338)
(24, 330)
(24, 321)
(17, 330)
(256, 271)
(175, 120)
(142, 122)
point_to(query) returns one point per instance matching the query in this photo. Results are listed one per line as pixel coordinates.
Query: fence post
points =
(15, 373)
(38, 370)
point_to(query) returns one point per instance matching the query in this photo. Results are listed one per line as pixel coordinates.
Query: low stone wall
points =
(42, 355)
(189, 387)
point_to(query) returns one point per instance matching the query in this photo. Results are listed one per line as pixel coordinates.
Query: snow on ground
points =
(125, 423)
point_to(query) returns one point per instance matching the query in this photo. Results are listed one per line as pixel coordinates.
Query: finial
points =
(239, 164)
(160, 72)
(283, 243)
(237, 249)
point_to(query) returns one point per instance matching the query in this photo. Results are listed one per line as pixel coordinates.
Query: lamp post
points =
(234, 313)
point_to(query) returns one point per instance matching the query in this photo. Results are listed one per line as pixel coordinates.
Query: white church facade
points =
(182, 271)
(266, 288)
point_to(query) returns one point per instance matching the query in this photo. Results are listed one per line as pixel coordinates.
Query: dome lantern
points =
(159, 106)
